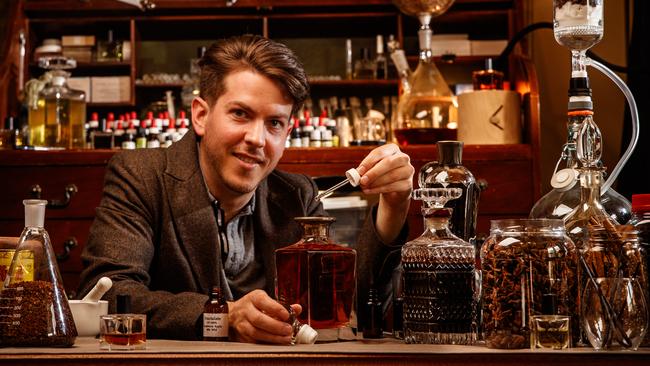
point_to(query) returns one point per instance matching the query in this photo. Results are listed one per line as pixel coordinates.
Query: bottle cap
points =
(34, 212)
(353, 177)
(640, 202)
(306, 335)
(123, 304)
(564, 179)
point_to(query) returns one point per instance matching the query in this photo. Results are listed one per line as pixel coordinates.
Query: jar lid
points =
(640, 202)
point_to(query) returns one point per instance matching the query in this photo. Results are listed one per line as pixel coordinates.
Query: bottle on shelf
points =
(93, 126)
(58, 121)
(118, 132)
(427, 111)
(296, 139)
(381, 61)
(343, 126)
(215, 317)
(152, 139)
(109, 50)
(348, 60)
(488, 78)
(364, 67)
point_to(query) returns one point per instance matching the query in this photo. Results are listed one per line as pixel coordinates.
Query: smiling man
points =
(212, 209)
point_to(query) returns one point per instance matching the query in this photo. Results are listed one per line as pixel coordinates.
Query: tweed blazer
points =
(155, 235)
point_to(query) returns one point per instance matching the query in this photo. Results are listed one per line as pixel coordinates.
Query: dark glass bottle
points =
(374, 316)
(215, 317)
(448, 172)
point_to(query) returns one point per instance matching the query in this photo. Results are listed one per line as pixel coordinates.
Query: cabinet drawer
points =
(19, 182)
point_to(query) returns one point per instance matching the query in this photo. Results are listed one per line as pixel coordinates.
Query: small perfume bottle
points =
(364, 67)
(215, 317)
(488, 79)
(123, 331)
(375, 316)
(110, 49)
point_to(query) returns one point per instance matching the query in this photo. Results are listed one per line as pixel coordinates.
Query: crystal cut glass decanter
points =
(440, 281)
(320, 276)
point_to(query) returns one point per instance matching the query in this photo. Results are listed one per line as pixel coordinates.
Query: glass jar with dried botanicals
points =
(34, 309)
(614, 310)
(529, 268)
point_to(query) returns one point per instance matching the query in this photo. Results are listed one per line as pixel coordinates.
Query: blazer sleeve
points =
(121, 246)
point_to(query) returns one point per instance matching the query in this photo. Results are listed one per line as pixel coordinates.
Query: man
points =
(212, 209)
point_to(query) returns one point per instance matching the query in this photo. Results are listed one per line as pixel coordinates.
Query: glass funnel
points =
(428, 111)
(578, 25)
(33, 304)
(440, 281)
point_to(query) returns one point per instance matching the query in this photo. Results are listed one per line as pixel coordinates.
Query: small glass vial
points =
(375, 316)
(215, 317)
(488, 79)
(302, 333)
(364, 67)
(109, 50)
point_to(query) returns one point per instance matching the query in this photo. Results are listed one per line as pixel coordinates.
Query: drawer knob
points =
(68, 245)
(70, 190)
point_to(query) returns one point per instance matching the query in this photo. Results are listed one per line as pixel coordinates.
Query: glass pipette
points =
(352, 177)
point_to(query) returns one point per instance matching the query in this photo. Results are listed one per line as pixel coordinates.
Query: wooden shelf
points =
(344, 83)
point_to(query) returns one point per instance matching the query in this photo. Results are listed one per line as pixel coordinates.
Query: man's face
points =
(243, 133)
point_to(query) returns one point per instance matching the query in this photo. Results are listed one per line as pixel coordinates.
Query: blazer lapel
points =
(192, 212)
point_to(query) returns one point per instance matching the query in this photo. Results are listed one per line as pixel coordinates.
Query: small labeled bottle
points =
(302, 333)
(215, 317)
(296, 139)
(364, 67)
(381, 61)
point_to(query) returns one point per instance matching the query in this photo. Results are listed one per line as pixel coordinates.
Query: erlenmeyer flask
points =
(33, 304)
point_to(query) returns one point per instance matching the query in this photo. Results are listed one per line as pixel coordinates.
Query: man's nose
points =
(256, 133)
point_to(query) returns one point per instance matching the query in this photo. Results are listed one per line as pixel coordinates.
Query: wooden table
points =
(381, 352)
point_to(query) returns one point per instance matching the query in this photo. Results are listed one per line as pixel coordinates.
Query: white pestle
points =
(104, 284)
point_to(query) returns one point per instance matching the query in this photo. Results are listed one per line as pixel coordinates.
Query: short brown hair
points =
(271, 59)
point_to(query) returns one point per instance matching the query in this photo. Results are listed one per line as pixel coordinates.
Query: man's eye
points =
(276, 123)
(239, 113)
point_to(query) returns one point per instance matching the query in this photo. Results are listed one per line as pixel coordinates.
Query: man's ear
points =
(200, 112)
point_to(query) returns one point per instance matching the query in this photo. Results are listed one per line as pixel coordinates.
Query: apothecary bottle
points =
(320, 275)
(529, 268)
(33, 305)
(614, 312)
(215, 317)
(58, 120)
(449, 172)
(440, 282)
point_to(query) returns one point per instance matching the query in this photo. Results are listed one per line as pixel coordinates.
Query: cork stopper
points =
(306, 335)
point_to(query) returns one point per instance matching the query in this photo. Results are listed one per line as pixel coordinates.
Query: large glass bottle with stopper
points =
(320, 276)
(34, 309)
(449, 172)
(428, 111)
(565, 195)
(440, 282)
(60, 114)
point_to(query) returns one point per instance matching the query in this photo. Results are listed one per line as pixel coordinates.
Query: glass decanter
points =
(448, 172)
(58, 120)
(320, 276)
(440, 281)
(428, 109)
(565, 195)
(34, 309)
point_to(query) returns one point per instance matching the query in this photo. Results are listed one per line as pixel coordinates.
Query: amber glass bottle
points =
(215, 317)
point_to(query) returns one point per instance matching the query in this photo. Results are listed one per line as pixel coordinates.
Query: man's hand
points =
(388, 171)
(257, 318)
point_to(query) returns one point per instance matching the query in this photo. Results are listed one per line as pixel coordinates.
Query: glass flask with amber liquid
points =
(441, 285)
(34, 309)
(429, 110)
(320, 276)
(60, 114)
